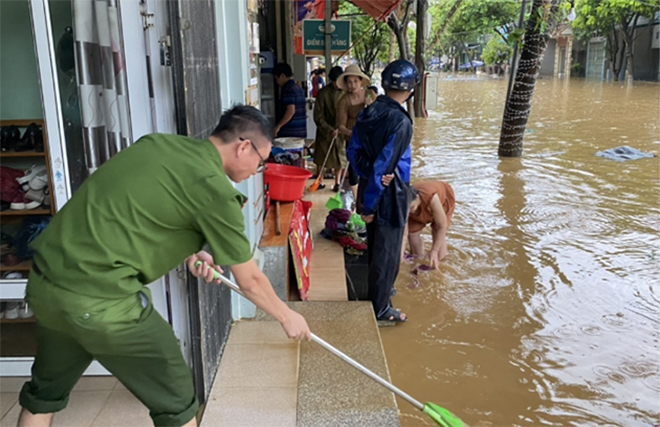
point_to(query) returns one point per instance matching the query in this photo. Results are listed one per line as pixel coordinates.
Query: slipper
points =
(393, 315)
(335, 188)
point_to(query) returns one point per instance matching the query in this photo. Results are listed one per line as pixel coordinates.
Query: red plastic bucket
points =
(285, 183)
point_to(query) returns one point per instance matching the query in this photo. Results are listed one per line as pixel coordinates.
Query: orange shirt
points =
(428, 189)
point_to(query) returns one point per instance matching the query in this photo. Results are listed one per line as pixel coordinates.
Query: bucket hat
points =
(352, 70)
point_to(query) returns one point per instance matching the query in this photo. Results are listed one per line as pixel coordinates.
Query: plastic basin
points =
(285, 183)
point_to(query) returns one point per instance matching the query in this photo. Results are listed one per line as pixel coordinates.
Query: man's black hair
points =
(335, 72)
(240, 120)
(282, 68)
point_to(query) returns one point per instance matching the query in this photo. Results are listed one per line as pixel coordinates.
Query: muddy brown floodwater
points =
(546, 310)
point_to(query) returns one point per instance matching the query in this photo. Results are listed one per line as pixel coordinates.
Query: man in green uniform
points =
(136, 218)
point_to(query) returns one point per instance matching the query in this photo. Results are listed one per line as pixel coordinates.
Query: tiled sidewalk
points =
(326, 268)
(94, 402)
(257, 381)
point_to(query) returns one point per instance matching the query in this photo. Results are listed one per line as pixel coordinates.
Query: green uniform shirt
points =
(140, 215)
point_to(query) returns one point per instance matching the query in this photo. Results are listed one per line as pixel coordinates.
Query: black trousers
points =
(353, 178)
(384, 257)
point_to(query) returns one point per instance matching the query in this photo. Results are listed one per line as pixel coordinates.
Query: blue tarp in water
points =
(623, 153)
(474, 64)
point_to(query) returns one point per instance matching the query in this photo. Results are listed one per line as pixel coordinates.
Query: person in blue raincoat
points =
(380, 145)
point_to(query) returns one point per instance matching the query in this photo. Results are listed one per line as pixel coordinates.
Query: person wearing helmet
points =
(379, 146)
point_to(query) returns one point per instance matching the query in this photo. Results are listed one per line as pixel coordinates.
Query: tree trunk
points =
(395, 26)
(630, 71)
(620, 62)
(392, 53)
(612, 51)
(628, 33)
(400, 30)
(519, 104)
(420, 50)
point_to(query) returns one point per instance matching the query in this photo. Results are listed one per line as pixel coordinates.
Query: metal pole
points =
(328, 36)
(514, 65)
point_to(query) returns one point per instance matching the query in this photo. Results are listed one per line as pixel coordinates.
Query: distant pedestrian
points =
(318, 82)
(356, 98)
(291, 116)
(325, 110)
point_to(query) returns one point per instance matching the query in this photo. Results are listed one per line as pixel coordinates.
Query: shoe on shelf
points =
(35, 195)
(12, 275)
(31, 204)
(29, 174)
(21, 203)
(39, 181)
(9, 135)
(31, 139)
(10, 260)
(24, 311)
(46, 200)
(6, 238)
(18, 203)
(11, 311)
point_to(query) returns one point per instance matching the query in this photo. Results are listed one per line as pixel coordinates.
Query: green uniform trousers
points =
(127, 336)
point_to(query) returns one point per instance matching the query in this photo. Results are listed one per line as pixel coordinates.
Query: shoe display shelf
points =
(11, 289)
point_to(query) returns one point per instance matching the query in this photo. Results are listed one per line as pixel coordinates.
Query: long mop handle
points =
(332, 143)
(341, 183)
(335, 351)
(394, 389)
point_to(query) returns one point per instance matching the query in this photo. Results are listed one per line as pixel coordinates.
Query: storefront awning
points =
(377, 9)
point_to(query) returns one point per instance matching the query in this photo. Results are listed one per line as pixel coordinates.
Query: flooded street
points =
(547, 309)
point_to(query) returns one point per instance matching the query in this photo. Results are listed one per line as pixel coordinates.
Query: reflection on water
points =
(546, 310)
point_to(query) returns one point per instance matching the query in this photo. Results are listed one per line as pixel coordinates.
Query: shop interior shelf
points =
(21, 123)
(22, 266)
(12, 212)
(22, 154)
(19, 320)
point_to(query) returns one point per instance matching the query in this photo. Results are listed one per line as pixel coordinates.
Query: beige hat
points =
(352, 70)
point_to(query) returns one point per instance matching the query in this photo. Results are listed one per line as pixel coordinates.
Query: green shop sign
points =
(314, 36)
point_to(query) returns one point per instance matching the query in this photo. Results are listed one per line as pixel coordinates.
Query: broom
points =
(315, 185)
(335, 201)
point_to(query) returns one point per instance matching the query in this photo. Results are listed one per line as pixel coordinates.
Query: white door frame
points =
(143, 25)
(147, 115)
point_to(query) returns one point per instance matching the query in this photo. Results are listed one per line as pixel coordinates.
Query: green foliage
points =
(472, 22)
(482, 17)
(374, 45)
(598, 17)
(496, 52)
(577, 68)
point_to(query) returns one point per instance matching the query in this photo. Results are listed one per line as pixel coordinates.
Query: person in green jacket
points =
(325, 113)
(145, 211)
